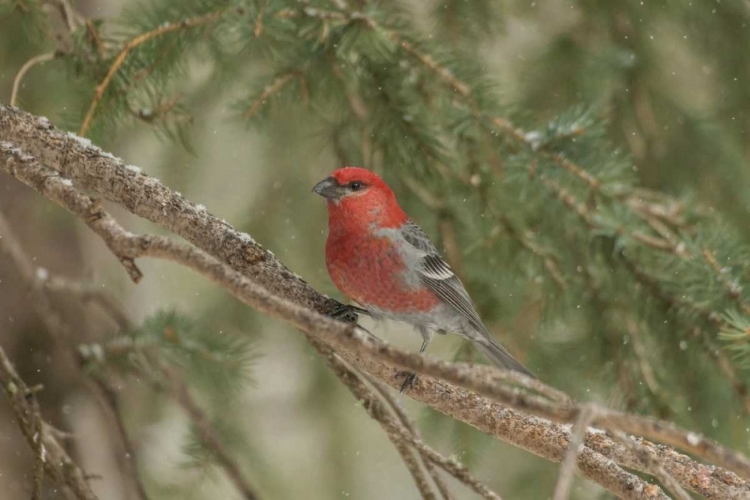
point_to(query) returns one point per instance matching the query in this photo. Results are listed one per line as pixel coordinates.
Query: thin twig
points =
(86, 293)
(258, 27)
(378, 413)
(61, 333)
(47, 450)
(70, 17)
(642, 449)
(449, 465)
(641, 352)
(210, 437)
(24, 69)
(114, 412)
(95, 38)
(40, 451)
(269, 91)
(575, 444)
(132, 44)
(411, 427)
(733, 290)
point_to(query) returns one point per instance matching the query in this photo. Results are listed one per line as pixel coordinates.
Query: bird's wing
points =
(437, 275)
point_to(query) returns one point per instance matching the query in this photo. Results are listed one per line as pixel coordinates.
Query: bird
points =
(383, 261)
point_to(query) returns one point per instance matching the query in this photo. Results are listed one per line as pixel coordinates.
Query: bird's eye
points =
(356, 186)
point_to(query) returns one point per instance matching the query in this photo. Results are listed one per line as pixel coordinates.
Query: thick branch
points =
(76, 159)
(147, 197)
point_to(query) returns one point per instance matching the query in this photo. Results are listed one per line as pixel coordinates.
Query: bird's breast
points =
(370, 269)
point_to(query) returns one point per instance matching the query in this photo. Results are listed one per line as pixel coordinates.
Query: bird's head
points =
(361, 196)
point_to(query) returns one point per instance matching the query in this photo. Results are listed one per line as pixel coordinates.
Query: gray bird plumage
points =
(457, 314)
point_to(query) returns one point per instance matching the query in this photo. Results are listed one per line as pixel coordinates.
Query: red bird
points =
(383, 261)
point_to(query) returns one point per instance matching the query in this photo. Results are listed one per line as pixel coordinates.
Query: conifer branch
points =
(121, 242)
(132, 44)
(276, 86)
(733, 290)
(101, 172)
(676, 302)
(463, 89)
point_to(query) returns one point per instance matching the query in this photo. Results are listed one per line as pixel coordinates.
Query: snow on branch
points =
(525, 413)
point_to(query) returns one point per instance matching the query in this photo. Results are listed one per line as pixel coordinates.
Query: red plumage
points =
(366, 266)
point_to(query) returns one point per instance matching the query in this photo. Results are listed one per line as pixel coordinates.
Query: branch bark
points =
(253, 275)
(37, 280)
(41, 437)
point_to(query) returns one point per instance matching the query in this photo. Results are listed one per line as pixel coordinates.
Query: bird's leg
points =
(412, 377)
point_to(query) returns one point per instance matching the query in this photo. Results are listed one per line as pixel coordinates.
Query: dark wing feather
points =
(437, 275)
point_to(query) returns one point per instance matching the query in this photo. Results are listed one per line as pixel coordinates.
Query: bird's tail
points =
(499, 356)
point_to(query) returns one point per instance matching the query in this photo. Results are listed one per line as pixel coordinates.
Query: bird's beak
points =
(328, 188)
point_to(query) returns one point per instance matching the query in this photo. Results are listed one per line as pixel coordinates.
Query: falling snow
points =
(693, 438)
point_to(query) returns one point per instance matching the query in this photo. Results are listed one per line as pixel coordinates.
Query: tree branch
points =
(132, 44)
(61, 334)
(378, 412)
(258, 279)
(179, 391)
(40, 436)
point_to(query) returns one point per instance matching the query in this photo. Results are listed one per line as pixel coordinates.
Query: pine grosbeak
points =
(384, 262)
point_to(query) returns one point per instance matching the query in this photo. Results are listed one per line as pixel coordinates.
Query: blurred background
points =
(246, 114)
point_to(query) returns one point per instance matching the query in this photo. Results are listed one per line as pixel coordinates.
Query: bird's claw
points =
(347, 313)
(408, 381)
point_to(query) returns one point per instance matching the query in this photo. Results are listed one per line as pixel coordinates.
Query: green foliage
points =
(217, 362)
(596, 210)
(28, 14)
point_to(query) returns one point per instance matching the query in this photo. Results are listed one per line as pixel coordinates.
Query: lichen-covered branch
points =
(37, 280)
(378, 413)
(291, 299)
(41, 437)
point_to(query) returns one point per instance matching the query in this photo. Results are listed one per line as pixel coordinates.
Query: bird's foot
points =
(408, 381)
(350, 314)
(347, 313)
